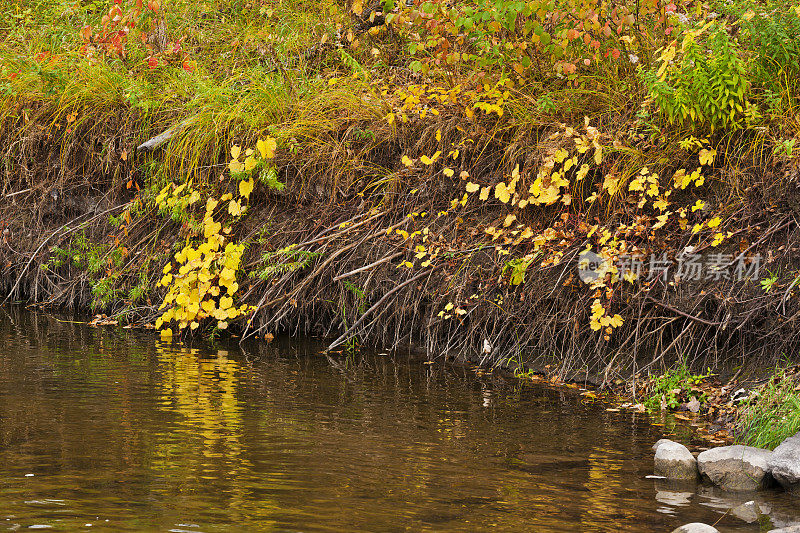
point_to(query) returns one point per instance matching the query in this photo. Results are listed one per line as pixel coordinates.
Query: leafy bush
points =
(771, 33)
(701, 79)
(673, 387)
(542, 37)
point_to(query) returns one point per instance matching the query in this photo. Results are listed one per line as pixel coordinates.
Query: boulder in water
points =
(784, 464)
(674, 461)
(736, 468)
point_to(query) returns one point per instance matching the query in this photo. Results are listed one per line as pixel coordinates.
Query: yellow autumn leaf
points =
(438, 135)
(208, 306)
(448, 172)
(249, 163)
(662, 220)
(502, 193)
(267, 147)
(245, 188)
(707, 156)
(235, 151)
(225, 302)
(472, 187)
(714, 222)
(509, 220)
(235, 166)
(407, 161)
(699, 204)
(485, 193)
(235, 208)
(661, 204)
(426, 160)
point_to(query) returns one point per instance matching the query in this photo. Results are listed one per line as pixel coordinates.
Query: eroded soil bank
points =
(361, 247)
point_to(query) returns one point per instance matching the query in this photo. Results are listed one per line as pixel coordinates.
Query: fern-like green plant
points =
(283, 261)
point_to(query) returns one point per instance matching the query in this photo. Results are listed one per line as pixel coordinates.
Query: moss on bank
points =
(398, 224)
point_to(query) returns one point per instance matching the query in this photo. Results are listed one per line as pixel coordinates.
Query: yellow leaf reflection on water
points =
(206, 443)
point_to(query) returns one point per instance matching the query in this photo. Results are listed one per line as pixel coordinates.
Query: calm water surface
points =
(110, 430)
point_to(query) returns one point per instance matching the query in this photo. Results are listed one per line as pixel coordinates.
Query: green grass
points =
(773, 416)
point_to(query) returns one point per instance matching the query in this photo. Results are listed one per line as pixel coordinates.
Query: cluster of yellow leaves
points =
(450, 310)
(681, 179)
(421, 252)
(266, 149)
(491, 99)
(202, 282)
(177, 196)
(601, 319)
(424, 100)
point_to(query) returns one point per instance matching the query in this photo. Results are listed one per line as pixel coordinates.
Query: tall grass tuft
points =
(773, 416)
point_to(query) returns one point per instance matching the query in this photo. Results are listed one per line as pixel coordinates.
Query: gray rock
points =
(785, 463)
(748, 511)
(675, 461)
(659, 442)
(790, 529)
(696, 527)
(736, 468)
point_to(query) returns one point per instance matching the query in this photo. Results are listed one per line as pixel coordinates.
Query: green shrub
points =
(702, 81)
(673, 387)
(771, 33)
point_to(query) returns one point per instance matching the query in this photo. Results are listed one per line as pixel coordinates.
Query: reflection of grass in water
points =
(772, 416)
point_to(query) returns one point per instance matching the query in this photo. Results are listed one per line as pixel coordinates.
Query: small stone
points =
(735, 468)
(674, 461)
(748, 511)
(696, 527)
(784, 464)
(693, 405)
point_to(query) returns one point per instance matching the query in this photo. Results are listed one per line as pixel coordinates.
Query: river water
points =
(112, 430)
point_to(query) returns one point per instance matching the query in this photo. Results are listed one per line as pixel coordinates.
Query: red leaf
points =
(152, 62)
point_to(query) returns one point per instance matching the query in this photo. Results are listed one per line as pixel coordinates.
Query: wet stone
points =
(674, 461)
(748, 511)
(735, 468)
(696, 527)
(784, 464)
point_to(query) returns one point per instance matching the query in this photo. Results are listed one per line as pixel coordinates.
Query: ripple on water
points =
(128, 434)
